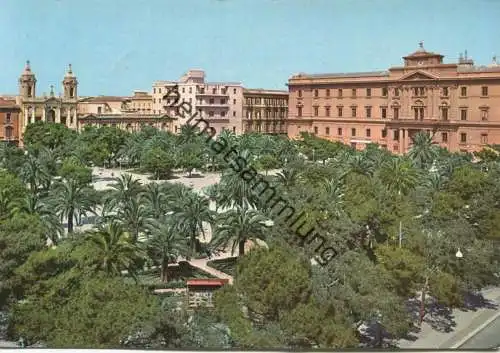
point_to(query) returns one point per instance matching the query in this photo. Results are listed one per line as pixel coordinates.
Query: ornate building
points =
(458, 103)
(265, 111)
(51, 108)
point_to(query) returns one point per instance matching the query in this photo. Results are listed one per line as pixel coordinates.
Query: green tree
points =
(158, 162)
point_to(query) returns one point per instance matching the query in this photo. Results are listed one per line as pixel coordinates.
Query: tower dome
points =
(70, 84)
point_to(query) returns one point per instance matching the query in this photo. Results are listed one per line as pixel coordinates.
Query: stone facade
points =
(459, 103)
(59, 109)
(265, 111)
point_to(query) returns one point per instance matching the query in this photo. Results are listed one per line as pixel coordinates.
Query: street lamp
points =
(459, 254)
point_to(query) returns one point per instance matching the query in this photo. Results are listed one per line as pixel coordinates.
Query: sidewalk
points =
(466, 322)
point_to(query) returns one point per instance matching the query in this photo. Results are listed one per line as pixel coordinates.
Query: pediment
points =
(418, 75)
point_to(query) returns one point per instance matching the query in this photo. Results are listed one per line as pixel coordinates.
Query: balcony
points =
(209, 94)
(212, 105)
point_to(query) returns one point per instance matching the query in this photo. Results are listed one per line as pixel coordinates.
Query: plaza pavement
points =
(466, 323)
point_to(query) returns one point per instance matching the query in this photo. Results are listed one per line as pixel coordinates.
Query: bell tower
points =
(70, 84)
(27, 83)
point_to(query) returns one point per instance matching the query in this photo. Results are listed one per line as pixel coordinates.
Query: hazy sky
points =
(117, 46)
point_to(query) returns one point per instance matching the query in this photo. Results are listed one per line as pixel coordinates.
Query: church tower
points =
(70, 84)
(27, 83)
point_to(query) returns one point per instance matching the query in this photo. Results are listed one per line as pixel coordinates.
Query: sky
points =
(118, 46)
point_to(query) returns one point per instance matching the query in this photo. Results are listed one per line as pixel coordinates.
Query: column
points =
(33, 114)
(43, 113)
(400, 142)
(75, 118)
(58, 115)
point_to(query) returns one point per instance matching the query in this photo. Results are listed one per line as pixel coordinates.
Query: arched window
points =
(444, 110)
(419, 110)
(9, 132)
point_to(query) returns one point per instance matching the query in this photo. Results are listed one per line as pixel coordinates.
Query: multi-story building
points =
(219, 103)
(265, 111)
(459, 103)
(9, 121)
(59, 109)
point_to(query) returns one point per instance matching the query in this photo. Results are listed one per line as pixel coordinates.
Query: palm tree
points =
(31, 204)
(155, 200)
(133, 216)
(34, 173)
(424, 151)
(113, 251)
(70, 200)
(165, 244)
(399, 175)
(236, 227)
(190, 213)
(124, 189)
(7, 204)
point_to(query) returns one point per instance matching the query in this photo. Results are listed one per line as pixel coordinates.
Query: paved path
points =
(487, 338)
(466, 322)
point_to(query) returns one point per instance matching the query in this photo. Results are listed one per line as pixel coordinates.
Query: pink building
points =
(219, 103)
(459, 103)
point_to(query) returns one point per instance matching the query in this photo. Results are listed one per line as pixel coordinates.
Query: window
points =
(484, 115)
(234, 90)
(463, 137)
(214, 90)
(353, 112)
(484, 139)
(484, 91)
(234, 101)
(463, 91)
(396, 135)
(353, 92)
(211, 101)
(99, 110)
(384, 92)
(234, 113)
(415, 110)
(444, 136)
(299, 111)
(444, 113)
(222, 114)
(415, 91)
(328, 92)
(159, 90)
(299, 93)
(368, 112)
(327, 131)
(339, 131)
(384, 113)
(234, 129)
(368, 92)
(368, 133)
(384, 133)
(340, 92)
(316, 93)
(211, 114)
(353, 132)
(445, 91)
(7, 118)
(396, 92)
(339, 111)
(222, 101)
(422, 91)
(154, 90)
(463, 114)
(316, 111)
(327, 111)
(190, 89)
(316, 130)
(396, 113)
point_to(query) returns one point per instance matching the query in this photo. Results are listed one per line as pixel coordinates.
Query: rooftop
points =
(264, 91)
(344, 74)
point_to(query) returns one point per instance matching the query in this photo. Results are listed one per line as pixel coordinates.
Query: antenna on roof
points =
(465, 54)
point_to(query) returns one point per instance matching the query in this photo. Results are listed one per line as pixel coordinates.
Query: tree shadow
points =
(437, 316)
(476, 301)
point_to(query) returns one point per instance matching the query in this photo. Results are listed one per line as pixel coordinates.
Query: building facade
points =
(51, 108)
(458, 103)
(9, 121)
(265, 111)
(219, 103)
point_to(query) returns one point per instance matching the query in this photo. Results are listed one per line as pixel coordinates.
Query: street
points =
(487, 338)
